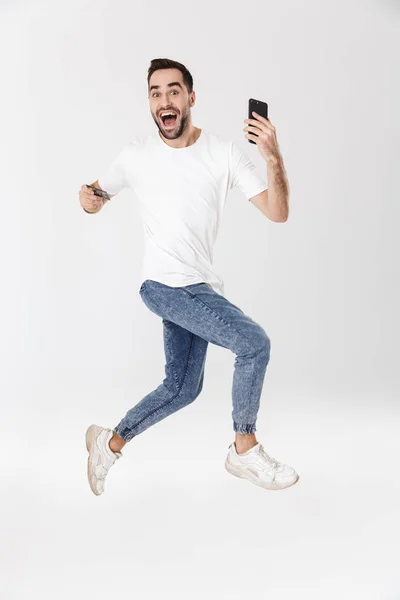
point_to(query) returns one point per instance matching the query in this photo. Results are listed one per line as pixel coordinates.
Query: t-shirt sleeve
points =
(243, 173)
(113, 179)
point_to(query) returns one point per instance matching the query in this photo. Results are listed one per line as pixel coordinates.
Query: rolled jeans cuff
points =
(124, 432)
(244, 428)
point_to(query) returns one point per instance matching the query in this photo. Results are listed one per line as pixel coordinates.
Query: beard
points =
(176, 131)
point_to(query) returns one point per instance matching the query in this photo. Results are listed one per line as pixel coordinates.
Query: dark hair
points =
(166, 63)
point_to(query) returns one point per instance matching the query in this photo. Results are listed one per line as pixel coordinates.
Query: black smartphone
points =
(261, 108)
(98, 192)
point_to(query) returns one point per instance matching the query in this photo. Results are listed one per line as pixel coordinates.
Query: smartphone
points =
(98, 192)
(260, 107)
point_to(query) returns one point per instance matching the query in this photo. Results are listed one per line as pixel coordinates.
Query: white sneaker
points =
(101, 457)
(259, 468)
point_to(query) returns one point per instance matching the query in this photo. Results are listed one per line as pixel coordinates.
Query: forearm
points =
(278, 189)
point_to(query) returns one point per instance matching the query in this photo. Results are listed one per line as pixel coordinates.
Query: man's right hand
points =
(89, 201)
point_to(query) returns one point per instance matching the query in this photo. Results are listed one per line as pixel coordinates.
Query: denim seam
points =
(180, 389)
(216, 315)
(167, 341)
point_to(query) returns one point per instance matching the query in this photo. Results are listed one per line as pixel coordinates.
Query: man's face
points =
(167, 97)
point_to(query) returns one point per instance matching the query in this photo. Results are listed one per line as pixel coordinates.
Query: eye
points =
(173, 92)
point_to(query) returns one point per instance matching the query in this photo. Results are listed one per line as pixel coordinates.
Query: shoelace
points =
(270, 459)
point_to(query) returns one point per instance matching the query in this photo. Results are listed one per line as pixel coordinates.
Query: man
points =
(181, 177)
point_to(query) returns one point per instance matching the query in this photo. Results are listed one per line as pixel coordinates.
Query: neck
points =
(188, 138)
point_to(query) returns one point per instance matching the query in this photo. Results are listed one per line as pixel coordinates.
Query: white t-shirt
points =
(182, 193)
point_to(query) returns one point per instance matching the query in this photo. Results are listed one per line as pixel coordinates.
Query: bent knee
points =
(193, 393)
(261, 342)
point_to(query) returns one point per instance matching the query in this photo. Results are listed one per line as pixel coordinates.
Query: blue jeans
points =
(193, 316)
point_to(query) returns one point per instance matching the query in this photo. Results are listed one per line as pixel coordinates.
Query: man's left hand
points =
(265, 137)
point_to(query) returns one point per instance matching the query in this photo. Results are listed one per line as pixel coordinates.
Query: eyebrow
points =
(156, 87)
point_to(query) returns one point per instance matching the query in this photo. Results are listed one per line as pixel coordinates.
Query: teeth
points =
(167, 113)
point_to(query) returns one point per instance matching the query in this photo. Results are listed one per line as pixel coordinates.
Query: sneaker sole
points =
(254, 479)
(91, 435)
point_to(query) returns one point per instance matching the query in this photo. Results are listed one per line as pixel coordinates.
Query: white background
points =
(78, 346)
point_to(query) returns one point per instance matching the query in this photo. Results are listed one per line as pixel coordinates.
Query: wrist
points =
(273, 159)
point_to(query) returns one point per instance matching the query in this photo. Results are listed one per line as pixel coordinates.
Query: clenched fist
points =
(89, 201)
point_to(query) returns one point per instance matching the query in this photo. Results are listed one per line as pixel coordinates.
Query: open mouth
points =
(169, 119)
